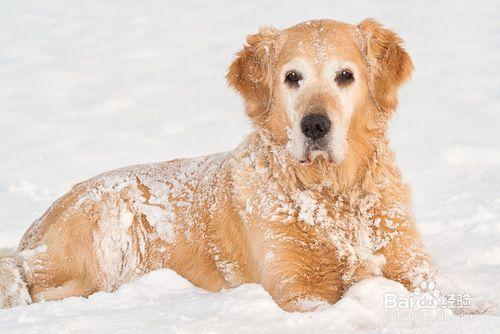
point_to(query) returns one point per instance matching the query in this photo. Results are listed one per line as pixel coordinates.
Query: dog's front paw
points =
(304, 304)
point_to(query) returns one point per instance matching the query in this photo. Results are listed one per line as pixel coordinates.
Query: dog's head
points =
(307, 88)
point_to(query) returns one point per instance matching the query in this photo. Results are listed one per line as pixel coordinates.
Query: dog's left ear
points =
(389, 65)
(251, 72)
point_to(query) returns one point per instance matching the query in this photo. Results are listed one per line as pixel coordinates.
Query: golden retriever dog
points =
(310, 203)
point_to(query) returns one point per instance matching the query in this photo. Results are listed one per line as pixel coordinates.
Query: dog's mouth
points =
(315, 152)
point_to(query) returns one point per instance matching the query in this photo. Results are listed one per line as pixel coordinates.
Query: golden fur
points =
(305, 231)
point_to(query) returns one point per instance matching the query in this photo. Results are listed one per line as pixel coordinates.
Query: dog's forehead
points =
(320, 40)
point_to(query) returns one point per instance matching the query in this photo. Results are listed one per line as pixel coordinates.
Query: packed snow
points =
(93, 86)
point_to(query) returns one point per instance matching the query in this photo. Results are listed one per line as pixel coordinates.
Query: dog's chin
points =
(317, 156)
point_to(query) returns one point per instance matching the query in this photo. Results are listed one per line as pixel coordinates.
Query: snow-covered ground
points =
(89, 86)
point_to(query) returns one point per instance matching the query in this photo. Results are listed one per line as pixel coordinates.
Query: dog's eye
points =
(292, 78)
(344, 77)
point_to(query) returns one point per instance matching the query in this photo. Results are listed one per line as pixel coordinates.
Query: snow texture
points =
(92, 86)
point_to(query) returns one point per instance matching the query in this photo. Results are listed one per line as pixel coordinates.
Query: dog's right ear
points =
(251, 72)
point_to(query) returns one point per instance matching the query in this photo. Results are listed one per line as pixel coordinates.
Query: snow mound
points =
(162, 301)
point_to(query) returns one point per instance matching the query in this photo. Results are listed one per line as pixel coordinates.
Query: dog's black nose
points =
(315, 126)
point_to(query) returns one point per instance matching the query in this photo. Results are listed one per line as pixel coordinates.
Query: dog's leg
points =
(58, 258)
(300, 282)
(71, 288)
(48, 280)
(406, 259)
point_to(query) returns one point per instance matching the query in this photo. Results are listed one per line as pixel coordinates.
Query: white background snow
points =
(89, 86)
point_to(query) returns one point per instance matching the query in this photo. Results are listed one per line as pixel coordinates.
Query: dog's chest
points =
(341, 228)
(346, 224)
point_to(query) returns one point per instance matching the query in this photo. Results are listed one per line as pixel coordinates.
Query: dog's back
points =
(122, 224)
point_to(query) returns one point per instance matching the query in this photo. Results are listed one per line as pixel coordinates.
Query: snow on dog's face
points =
(307, 87)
